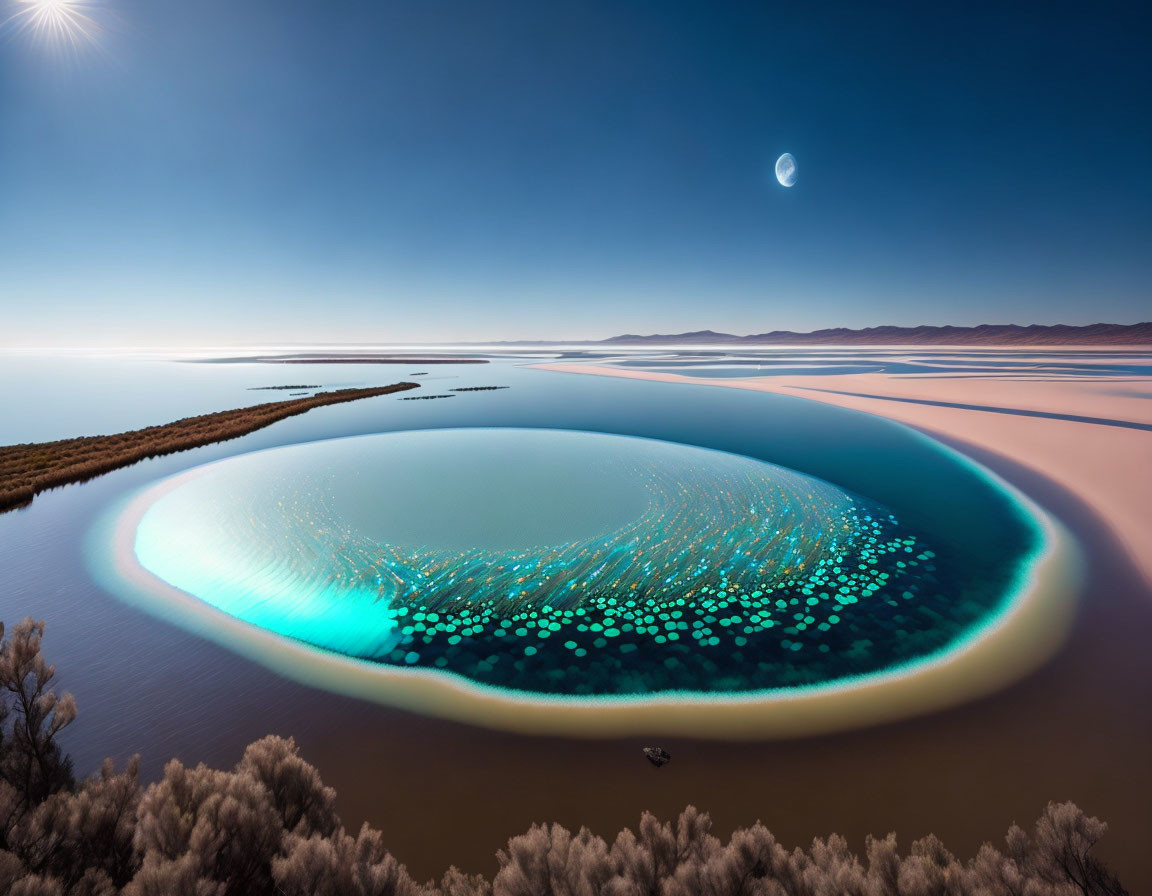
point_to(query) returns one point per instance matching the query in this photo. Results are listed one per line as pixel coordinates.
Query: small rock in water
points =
(657, 756)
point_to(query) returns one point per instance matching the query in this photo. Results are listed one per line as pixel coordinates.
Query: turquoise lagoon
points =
(565, 563)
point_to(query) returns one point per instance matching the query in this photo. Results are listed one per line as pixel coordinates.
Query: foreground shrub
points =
(269, 827)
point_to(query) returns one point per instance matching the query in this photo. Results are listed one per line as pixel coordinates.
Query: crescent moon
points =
(786, 170)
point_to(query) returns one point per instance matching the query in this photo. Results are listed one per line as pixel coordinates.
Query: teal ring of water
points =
(662, 568)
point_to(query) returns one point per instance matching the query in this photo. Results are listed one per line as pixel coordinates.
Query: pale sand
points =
(1030, 628)
(1109, 467)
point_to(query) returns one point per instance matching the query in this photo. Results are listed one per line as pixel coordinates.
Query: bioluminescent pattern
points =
(557, 562)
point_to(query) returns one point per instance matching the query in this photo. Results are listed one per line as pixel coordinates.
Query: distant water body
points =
(1036, 364)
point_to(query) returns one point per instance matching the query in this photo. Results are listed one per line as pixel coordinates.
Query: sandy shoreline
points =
(1092, 436)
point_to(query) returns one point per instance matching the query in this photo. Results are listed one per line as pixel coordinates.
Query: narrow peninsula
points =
(28, 469)
(368, 358)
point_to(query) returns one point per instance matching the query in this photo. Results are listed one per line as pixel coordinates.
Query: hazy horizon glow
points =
(260, 173)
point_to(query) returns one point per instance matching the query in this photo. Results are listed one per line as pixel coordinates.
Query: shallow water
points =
(982, 538)
(445, 792)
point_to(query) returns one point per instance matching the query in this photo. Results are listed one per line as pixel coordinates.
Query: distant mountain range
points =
(985, 334)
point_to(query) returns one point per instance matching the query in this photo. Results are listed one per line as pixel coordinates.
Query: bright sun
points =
(67, 22)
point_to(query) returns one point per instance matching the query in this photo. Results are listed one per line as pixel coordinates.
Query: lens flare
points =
(64, 23)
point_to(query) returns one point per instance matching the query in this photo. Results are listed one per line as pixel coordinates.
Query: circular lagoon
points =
(562, 565)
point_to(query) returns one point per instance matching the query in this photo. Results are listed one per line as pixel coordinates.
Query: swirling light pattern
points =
(715, 574)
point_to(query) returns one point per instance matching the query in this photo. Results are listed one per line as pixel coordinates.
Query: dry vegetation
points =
(26, 470)
(268, 827)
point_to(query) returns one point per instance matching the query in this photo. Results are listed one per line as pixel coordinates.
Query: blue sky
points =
(274, 170)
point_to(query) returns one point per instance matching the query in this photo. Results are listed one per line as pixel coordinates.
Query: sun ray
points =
(68, 24)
